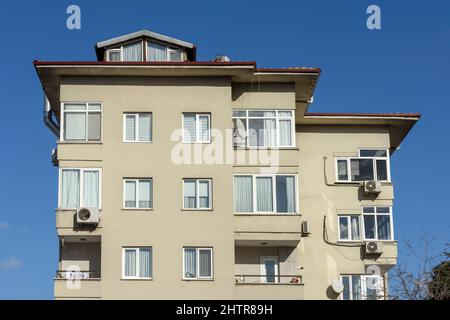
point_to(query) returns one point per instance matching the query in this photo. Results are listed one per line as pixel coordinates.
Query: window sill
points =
(268, 214)
(196, 209)
(137, 209)
(138, 142)
(359, 183)
(80, 142)
(136, 279)
(196, 279)
(267, 148)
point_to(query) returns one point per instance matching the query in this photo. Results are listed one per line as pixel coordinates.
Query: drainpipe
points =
(48, 117)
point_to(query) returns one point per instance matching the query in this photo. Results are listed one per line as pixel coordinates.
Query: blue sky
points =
(404, 67)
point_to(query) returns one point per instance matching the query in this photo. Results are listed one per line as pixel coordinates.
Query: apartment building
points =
(186, 179)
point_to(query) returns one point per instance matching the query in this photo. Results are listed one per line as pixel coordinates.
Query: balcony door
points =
(269, 269)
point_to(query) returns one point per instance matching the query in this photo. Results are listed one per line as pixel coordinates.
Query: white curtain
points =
(130, 262)
(94, 125)
(91, 189)
(190, 263)
(290, 193)
(132, 52)
(145, 129)
(130, 128)
(356, 287)
(145, 193)
(189, 127)
(156, 52)
(285, 189)
(190, 194)
(342, 170)
(264, 194)
(130, 194)
(343, 228)
(354, 220)
(243, 194)
(269, 130)
(285, 132)
(203, 193)
(204, 128)
(205, 263)
(383, 227)
(145, 262)
(74, 126)
(70, 189)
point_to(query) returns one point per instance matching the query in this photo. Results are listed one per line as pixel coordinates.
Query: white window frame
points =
(197, 193)
(274, 194)
(374, 164)
(347, 216)
(62, 126)
(363, 285)
(136, 116)
(197, 127)
(168, 50)
(375, 214)
(263, 269)
(137, 249)
(120, 48)
(137, 180)
(81, 186)
(277, 119)
(197, 263)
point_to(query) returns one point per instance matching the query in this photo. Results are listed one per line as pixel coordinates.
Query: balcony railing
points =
(77, 274)
(267, 279)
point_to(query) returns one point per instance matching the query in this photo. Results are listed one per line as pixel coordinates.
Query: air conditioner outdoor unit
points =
(374, 247)
(371, 187)
(87, 216)
(305, 227)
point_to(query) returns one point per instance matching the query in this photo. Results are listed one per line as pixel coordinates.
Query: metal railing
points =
(268, 279)
(77, 274)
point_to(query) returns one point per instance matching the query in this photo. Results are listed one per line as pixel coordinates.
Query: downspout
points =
(48, 117)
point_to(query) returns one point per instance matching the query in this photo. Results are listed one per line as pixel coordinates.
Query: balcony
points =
(267, 272)
(66, 225)
(78, 274)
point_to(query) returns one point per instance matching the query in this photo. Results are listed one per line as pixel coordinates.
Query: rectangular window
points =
(138, 193)
(265, 194)
(377, 223)
(198, 263)
(114, 55)
(369, 165)
(362, 287)
(79, 188)
(159, 52)
(196, 127)
(137, 263)
(349, 228)
(81, 122)
(263, 128)
(197, 194)
(137, 127)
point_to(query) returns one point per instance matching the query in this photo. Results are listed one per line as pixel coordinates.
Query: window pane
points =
(130, 127)
(94, 125)
(205, 263)
(74, 126)
(203, 190)
(145, 262)
(243, 194)
(145, 127)
(130, 262)
(356, 287)
(239, 113)
(264, 194)
(190, 194)
(346, 283)
(368, 209)
(74, 106)
(262, 132)
(369, 226)
(354, 221)
(372, 285)
(239, 132)
(70, 189)
(382, 170)
(285, 114)
(342, 170)
(383, 209)
(204, 128)
(132, 52)
(285, 193)
(175, 55)
(91, 189)
(94, 107)
(145, 193)
(285, 132)
(189, 132)
(114, 56)
(372, 153)
(343, 228)
(384, 227)
(362, 169)
(130, 194)
(190, 263)
(156, 52)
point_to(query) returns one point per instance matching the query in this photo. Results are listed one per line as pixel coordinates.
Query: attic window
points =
(158, 52)
(128, 52)
(114, 55)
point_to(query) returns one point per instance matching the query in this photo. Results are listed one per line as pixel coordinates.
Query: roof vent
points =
(221, 58)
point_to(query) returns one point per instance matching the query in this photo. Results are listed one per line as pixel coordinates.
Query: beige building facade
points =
(183, 179)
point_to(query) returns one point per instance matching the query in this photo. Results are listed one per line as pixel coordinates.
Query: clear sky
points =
(404, 67)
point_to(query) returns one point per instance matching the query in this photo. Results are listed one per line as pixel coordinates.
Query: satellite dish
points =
(240, 129)
(337, 286)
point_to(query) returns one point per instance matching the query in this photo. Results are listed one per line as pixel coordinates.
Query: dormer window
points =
(114, 55)
(128, 52)
(158, 52)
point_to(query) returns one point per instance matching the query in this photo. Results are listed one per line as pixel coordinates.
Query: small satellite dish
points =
(240, 129)
(337, 286)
